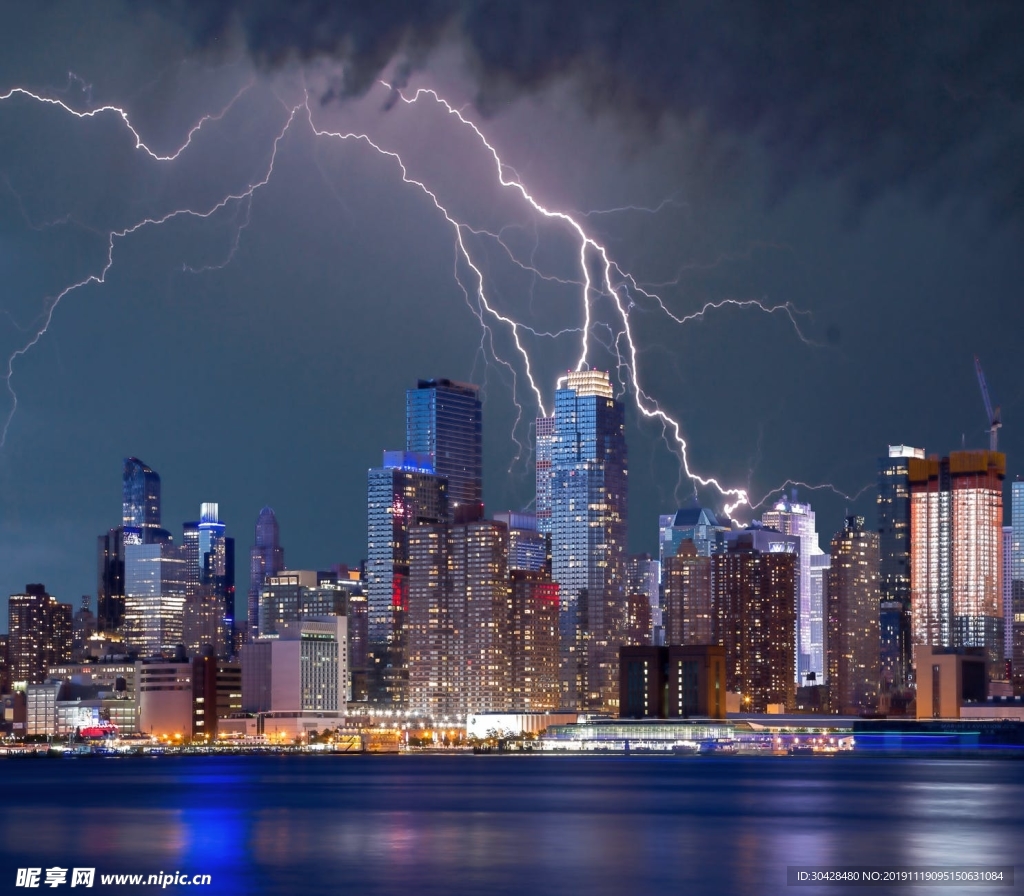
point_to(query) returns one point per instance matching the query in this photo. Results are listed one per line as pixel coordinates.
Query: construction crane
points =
(993, 416)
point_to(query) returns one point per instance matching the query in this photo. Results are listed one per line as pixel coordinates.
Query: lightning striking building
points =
(792, 518)
(956, 518)
(444, 421)
(587, 485)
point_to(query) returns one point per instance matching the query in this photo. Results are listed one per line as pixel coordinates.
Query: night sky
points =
(858, 167)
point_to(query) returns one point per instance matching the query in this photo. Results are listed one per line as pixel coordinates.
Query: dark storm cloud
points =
(882, 94)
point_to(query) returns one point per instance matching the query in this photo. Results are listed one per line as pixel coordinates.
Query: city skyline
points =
(339, 292)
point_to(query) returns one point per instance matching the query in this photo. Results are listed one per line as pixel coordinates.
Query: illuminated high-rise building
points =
(1017, 585)
(39, 634)
(754, 595)
(852, 607)
(698, 525)
(894, 569)
(401, 494)
(689, 612)
(141, 498)
(1006, 563)
(443, 420)
(533, 641)
(156, 582)
(209, 619)
(266, 558)
(545, 434)
(588, 495)
(956, 518)
(643, 600)
(792, 518)
(140, 524)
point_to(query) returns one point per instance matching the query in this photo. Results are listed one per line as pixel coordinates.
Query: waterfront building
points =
(894, 569)
(588, 497)
(673, 682)
(185, 699)
(39, 634)
(401, 494)
(443, 421)
(852, 607)
(956, 518)
(948, 677)
(266, 558)
(792, 518)
(754, 596)
(302, 670)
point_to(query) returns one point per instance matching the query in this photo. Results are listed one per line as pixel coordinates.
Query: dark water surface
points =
(416, 825)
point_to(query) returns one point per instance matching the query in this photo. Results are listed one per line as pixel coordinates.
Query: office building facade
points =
(443, 421)
(588, 496)
(39, 634)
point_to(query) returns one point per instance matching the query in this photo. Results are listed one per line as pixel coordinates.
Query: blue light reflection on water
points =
(463, 824)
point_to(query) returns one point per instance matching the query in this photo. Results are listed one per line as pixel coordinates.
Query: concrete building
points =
(39, 634)
(185, 699)
(689, 611)
(948, 677)
(672, 682)
(302, 670)
(533, 641)
(755, 616)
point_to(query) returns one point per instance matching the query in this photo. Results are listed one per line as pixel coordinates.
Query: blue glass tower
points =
(443, 420)
(266, 558)
(588, 498)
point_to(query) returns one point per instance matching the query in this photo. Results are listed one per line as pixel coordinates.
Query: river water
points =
(416, 825)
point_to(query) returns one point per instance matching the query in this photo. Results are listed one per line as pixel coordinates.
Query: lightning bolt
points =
(599, 275)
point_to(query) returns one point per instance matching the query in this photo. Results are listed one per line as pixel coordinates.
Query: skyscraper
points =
(401, 494)
(141, 499)
(588, 496)
(755, 616)
(852, 603)
(266, 558)
(956, 518)
(210, 592)
(792, 518)
(156, 582)
(39, 635)
(689, 612)
(1017, 586)
(443, 420)
(140, 524)
(894, 570)
(545, 432)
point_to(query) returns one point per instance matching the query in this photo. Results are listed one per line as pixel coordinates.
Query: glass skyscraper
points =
(210, 592)
(956, 519)
(894, 569)
(443, 420)
(1017, 586)
(588, 501)
(401, 494)
(141, 500)
(792, 518)
(266, 558)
